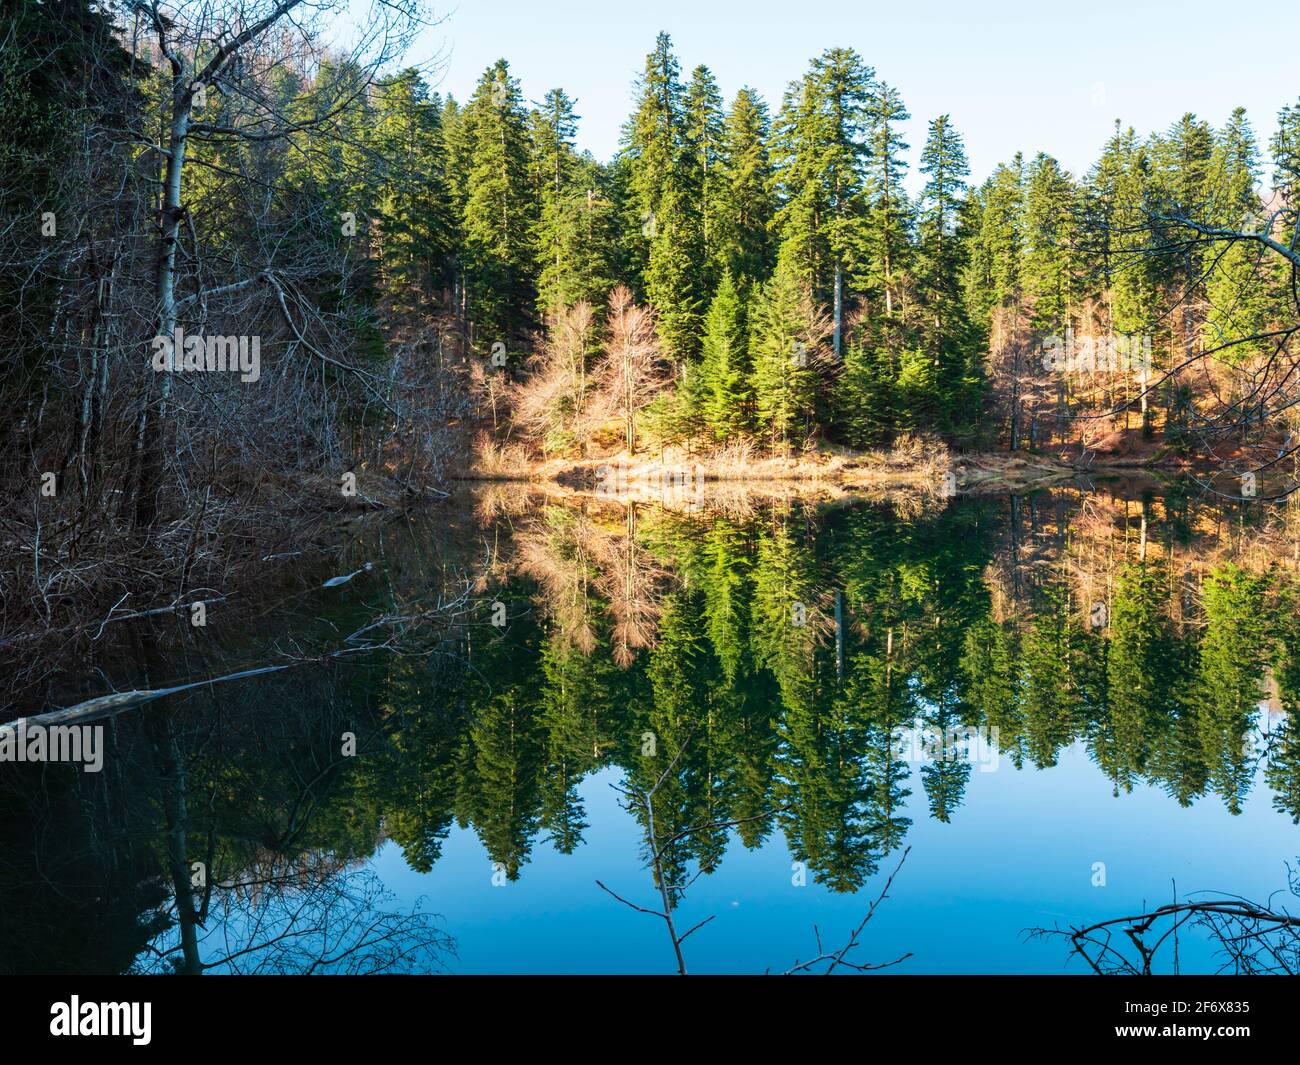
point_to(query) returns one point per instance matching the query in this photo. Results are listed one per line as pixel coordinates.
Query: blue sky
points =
(1014, 75)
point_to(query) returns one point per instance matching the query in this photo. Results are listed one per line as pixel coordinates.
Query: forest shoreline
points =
(836, 468)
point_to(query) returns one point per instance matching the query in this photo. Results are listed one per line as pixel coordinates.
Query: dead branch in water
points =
(1251, 939)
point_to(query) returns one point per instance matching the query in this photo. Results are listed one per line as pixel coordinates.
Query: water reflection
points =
(754, 663)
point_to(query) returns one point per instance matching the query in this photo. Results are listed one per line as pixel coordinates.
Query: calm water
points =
(1063, 707)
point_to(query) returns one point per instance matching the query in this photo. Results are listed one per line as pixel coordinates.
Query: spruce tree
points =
(1049, 243)
(499, 212)
(744, 243)
(946, 331)
(781, 346)
(722, 376)
(553, 126)
(1285, 149)
(819, 153)
(704, 145)
(1239, 288)
(414, 207)
(664, 187)
(887, 233)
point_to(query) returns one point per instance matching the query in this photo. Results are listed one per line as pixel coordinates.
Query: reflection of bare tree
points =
(632, 582)
(1248, 939)
(557, 552)
(573, 556)
(308, 915)
(660, 845)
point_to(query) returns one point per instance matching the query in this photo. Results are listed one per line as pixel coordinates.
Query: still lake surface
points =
(1061, 707)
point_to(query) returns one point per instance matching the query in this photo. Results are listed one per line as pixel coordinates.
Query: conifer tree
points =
(552, 127)
(1049, 238)
(704, 145)
(744, 244)
(456, 150)
(887, 233)
(820, 148)
(999, 244)
(865, 402)
(662, 180)
(941, 257)
(500, 211)
(1239, 287)
(785, 331)
(1285, 149)
(1181, 161)
(416, 226)
(723, 390)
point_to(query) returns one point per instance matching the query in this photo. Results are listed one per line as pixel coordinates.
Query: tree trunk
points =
(153, 421)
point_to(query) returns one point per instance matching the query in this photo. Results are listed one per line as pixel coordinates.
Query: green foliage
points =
(743, 244)
(664, 181)
(499, 221)
(576, 234)
(782, 356)
(721, 382)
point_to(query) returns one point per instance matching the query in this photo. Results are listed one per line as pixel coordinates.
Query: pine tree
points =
(662, 180)
(552, 128)
(784, 332)
(499, 212)
(456, 149)
(414, 208)
(1133, 294)
(993, 279)
(1239, 288)
(704, 145)
(1048, 275)
(744, 244)
(887, 232)
(1181, 161)
(1285, 149)
(865, 403)
(722, 388)
(941, 258)
(820, 148)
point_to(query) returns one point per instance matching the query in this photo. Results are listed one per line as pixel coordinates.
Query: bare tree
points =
(631, 371)
(313, 914)
(215, 45)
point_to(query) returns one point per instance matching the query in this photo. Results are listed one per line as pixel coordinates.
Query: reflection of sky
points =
(1019, 852)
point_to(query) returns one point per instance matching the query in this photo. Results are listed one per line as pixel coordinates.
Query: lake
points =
(1033, 711)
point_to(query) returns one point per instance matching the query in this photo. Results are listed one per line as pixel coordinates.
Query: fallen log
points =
(103, 706)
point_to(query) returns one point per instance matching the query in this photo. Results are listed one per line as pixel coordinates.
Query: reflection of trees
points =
(769, 725)
(302, 916)
(580, 562)
(1145, 690)
(219, 838)
(1233, 653)
(1167, 689)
